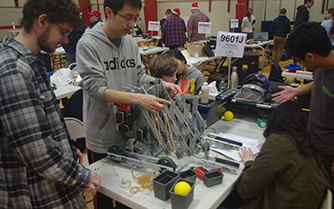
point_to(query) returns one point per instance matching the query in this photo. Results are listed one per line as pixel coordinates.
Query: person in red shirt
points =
(173, 31)
(197, 16)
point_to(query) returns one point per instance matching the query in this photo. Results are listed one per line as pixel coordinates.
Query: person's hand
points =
(173, 89)
(246, 155)
(95, 182)
(152, 103)
(285, 95)
(78, 156)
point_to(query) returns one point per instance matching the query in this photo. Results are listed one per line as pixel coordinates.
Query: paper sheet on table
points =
(247, 142)
(192, 60)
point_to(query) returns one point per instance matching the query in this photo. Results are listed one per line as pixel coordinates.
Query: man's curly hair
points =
(59, 11)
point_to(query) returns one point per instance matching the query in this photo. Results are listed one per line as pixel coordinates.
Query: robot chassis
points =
(177, 129)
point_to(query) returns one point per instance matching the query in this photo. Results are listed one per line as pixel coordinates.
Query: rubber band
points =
(134, 190)
(126, 184)
(145, 182)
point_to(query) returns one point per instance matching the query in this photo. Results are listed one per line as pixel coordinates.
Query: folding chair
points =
(76, 130)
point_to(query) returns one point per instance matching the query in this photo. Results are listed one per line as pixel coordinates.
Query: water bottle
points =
(205, 93)
(234, 78)
(222, 85)
(196, 54)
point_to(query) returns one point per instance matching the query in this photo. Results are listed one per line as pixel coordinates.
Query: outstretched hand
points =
(246, 155)
(95, 182)
(285, 95)
(152, 103)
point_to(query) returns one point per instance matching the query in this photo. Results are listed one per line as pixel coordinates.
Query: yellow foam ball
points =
(228, 115)
(182, 188)
(221, 110)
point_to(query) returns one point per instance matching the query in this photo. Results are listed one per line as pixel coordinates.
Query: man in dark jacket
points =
(280, 28)
(71, 46)
(302, 12)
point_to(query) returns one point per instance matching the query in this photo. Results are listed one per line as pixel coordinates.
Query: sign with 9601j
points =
(230, 44)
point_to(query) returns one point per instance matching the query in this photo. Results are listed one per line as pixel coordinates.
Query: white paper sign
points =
(230, 44)
(185, 19)
(153, 26)
(234, 23)
(204, 27)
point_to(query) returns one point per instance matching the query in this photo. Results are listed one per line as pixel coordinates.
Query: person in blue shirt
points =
(328, 24)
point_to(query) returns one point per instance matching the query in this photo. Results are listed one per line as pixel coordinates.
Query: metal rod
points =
(294, 11)
(133, 175)
(265, 10)
(113, 169)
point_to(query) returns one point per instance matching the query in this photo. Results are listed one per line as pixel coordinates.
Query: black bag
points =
(208, 51)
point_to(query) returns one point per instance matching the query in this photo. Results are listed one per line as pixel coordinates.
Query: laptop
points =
(261, 36)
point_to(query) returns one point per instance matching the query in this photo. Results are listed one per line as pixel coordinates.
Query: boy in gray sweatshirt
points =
(107, 60)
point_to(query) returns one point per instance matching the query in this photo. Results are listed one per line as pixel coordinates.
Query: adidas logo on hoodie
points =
(116, 64)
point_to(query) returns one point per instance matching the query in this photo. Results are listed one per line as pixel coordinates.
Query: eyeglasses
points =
(297, 59)
(129, 20)
(64, 32)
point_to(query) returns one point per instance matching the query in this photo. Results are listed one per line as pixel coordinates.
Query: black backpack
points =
(208, 51)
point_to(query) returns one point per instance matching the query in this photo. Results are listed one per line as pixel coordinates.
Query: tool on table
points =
(201, 171)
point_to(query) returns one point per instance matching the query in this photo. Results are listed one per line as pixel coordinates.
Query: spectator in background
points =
(190, 79)
(39, 167)
(197, 16)
(71, 46)
(252, 18)
(173, 31)
(329, 14)
(328, 24)
(280, 28)
(164, 67)
(303, 13)
(168, 13)
(94, 18)
(246, 25)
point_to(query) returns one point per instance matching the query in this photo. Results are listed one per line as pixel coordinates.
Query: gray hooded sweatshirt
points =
(102, 65)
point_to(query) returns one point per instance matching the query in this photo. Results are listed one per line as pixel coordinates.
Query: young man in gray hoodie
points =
(108, 59)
